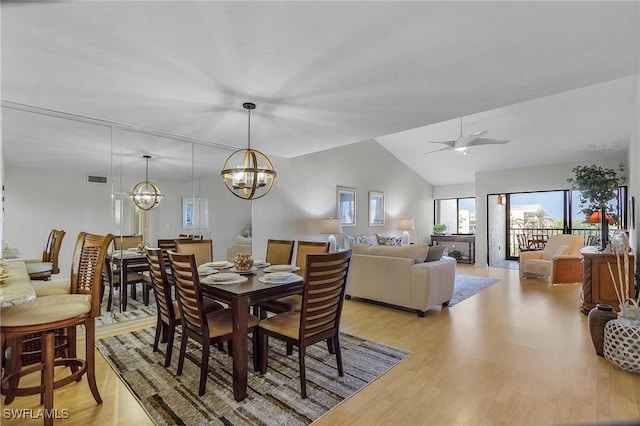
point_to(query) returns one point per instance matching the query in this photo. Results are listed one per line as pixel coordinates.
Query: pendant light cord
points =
(249, 130)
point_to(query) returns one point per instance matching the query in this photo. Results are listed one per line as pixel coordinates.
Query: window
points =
(534, 216)
(459, 214)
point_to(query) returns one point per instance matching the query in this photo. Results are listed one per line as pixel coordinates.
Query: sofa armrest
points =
(566, 269)
(432, 283)
(527, 255)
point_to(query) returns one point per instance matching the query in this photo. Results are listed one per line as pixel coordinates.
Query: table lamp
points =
(405, 225)
(331, 226)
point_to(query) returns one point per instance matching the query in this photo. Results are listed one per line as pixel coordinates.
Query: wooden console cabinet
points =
(597, 286)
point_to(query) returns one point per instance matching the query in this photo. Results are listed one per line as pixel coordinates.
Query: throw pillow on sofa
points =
(416, 252)
(388, 241)
(435, 253)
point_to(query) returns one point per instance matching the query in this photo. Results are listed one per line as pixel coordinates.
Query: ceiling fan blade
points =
(450, 144)
(468, 139)
(480, 134)
(438, 150)
(487, 141)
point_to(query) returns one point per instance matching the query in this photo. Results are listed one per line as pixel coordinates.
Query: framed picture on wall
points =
(632, 213)
(376, 208)
(346, 205)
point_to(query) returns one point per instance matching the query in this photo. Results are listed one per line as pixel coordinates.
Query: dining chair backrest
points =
(166, 245)
(325, 280)
(308, 247)
(188, 294)
(522, 242)
(202, 249)
(88, 261)
(52, 249)
(592, 240)
(279, 252)
(160, 282)
(124, 242)
(190, 237)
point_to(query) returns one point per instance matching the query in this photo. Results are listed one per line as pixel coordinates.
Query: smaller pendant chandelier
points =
(253, 175)
(147, 195)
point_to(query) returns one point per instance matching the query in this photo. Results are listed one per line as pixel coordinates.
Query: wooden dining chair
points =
(293, 302)
(112, 278)
(168, 311)
(202, 249)
(42, 269)
(308, 247)
(205, 328)
(125, 242)
(46, 315)
(279, 252)
(318, 320)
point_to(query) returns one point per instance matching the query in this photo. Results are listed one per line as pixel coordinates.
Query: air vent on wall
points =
(96, 179)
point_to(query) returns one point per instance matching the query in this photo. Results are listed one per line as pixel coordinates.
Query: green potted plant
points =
(439, 229)
(456, 254)
(597, 186)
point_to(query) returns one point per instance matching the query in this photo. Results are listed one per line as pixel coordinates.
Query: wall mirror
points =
(47, 161)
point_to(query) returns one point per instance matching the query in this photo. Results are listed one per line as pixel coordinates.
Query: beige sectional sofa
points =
(399, 275)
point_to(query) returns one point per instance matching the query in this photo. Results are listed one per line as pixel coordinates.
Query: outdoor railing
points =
(536, 237)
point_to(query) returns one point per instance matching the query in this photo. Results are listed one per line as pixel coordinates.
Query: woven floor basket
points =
(622, 344)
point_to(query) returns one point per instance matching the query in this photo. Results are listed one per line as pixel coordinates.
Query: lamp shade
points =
(595, 218)
(406, 225)
(330, 226)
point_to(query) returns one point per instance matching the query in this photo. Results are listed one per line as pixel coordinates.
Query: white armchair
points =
(559, 261)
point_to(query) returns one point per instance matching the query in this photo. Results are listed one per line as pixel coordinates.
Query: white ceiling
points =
(556, 78)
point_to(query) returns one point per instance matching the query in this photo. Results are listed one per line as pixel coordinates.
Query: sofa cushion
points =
(417, 252)
(435, 253)
(388, 241)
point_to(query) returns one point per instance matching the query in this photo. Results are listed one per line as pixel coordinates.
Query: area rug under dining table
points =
(272, 399)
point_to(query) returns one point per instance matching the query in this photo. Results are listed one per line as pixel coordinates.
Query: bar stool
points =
(46, 315)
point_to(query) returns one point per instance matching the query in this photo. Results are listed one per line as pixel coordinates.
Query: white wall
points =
(306, 193)
(38, 200)
(462, 190)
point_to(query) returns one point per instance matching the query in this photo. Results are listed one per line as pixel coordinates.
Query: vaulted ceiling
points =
(556, 78)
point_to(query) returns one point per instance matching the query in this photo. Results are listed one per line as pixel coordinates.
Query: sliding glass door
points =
(534, 216)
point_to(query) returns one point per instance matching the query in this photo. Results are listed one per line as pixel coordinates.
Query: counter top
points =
(17, 289)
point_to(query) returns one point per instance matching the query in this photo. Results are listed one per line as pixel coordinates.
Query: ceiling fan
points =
(464, 143)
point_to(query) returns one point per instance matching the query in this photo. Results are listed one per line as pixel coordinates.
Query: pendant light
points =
(252, 176)
(147, 195)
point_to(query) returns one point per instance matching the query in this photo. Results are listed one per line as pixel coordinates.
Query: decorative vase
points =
(622, 345)
(597, 319)
(629, 312)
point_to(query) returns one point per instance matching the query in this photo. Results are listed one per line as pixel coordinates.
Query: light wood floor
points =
(518, 353)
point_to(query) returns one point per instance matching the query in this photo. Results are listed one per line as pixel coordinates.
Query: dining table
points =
(240, 297)
(124, 260)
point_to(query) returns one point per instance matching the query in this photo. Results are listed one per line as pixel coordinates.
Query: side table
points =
(597, 286)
